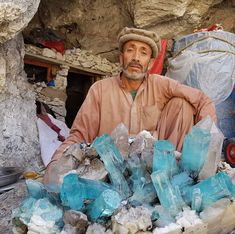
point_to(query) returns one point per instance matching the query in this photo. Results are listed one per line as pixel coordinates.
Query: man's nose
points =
(136, 56)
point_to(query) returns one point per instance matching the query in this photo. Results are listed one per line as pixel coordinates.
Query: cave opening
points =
(77, 87)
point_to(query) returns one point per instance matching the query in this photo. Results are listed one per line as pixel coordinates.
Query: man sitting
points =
(162, 106)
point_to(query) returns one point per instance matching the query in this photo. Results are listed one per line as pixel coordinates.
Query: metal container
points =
(9, 175)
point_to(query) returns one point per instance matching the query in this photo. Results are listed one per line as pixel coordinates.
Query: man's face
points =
(135, 59)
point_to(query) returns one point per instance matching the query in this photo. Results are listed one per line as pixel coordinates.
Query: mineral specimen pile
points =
(164, 197)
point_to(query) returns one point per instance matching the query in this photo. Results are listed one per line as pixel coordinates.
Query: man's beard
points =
(134, 75)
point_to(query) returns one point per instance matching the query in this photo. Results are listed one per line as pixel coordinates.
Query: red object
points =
(57, 45)
(48, 121)
(213, 27)
(230, 152)
(158, 62)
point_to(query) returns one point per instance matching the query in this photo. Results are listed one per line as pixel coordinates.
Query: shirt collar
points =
(122, 85)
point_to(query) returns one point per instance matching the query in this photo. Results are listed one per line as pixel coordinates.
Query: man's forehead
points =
(141, 44)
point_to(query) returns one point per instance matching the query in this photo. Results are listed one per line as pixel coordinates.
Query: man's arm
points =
(201, 103)
(84, 129)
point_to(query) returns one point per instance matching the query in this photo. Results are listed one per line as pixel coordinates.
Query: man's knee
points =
(177, 105)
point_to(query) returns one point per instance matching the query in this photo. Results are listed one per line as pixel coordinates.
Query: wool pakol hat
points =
(149, 37)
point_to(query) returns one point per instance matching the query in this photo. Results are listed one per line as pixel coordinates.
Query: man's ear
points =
(151, 62)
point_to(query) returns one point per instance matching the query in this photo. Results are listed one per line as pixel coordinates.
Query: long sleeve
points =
(86, 124)
(201, 103)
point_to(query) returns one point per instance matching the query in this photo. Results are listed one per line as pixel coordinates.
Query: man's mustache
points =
(134, 64)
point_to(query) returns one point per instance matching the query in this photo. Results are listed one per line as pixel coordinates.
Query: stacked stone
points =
(77, 57)
(61, 77)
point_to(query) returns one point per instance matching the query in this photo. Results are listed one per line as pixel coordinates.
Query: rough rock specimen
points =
(131, 221)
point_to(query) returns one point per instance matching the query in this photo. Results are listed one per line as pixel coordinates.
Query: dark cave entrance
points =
(77, 88)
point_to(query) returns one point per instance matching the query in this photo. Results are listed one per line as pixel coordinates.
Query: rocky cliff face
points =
(18, 133)
(94, 25)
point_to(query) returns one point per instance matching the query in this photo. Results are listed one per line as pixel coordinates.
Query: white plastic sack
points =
(48, 138)
(206, 61)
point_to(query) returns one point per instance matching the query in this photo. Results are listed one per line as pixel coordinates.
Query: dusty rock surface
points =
(94, 25)
(14, 16)
(9, 201)
(18, 132)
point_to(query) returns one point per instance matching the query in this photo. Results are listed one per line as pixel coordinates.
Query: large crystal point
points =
(212, 189)
(61, 167)
(104, 145)
(139, 176)
(214, 153)
(75, 190)
(164, 157)
(196, 199)
(144, 140)
(120, 137)
(195, 149)
(114, 163)
(169, 197)
(104, 206)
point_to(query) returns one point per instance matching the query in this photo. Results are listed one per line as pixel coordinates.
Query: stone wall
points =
(76, 57)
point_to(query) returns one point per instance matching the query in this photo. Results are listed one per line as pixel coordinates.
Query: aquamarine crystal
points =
(145, 195)
(113, 162)
(195, 149)
(164, 158)
(169, 197)
(138, 172)
(41, 208)
(196, 199)
(104, 205)
(212, 189)
(25, 211)
(75, 190)
(105, 145)
(163, 216)
(215, 148)
(35, 189)
(182, 181)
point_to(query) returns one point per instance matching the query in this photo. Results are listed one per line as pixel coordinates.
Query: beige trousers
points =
(176, 121)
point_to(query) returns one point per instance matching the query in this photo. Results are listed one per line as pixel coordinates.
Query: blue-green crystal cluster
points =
(171, 182)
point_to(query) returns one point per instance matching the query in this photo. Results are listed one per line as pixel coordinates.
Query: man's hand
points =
(49, 176)
(69, 161)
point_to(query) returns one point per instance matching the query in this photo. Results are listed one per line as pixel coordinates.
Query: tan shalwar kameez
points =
(162, 106)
